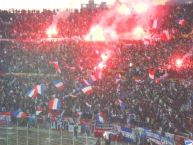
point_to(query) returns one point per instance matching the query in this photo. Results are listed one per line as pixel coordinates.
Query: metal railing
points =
(37, 136)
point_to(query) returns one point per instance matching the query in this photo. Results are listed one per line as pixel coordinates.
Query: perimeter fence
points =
(39, 136)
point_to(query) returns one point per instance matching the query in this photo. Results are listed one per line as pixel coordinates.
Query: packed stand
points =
(163, 104)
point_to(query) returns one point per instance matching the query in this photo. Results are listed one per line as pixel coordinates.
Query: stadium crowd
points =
(125, 94)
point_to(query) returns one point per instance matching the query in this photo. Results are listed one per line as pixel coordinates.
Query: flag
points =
(188, 142)
(56, 66)
(146, 41)
(100, 117)
(5, 117)
(39, 110)
(137, 79)
(118, 78)
(155, 24)
(154, 37)
(20, 114)
(121, 104)
(92, 79)
(98, 73)
(32, 93)
(165, 36)
(161, 78)
(182, 22)
(65, 97)
(58, 84)
(79, 113)
(40, 88)
(88, 105)
(85, 82)
(152, 74)
(87, 90)
(129, 135)
(54, 104)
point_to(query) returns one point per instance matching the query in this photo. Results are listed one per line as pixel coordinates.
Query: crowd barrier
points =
(127, 134)
(138, 135)
(38, 136)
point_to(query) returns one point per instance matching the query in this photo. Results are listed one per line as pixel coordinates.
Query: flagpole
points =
(7, 134)
(27, 136)
(17, 133)
(38, 138)
(35, 111)
(61, 136)
(73, 137)
(86, 139)
(49, 136)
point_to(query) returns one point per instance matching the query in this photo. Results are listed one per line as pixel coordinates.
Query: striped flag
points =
(100, 117)
(88, 105)
(182, 22)
(79, 113)
(85, 82)
(20, 114)
(165, 36)
(155, 24)
(40, 88)
(56, 66)
(5, 117)
(87, 90)
(161, 78)
(39, 110)
(118, 78)
(32, 93)
(137, 79)
(98, 73)
(146, 41)
(92, 79)
(121, 104)
(152, 74)
(58, 84)
(55, 104)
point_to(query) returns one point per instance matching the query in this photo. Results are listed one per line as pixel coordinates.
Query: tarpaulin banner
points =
(179, 140)
(5, 118)
(101, 128)
(128, 135)
(158, 139)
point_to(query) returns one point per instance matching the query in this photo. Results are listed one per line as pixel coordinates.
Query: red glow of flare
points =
(138, 32)
(96, 34)
(52, 31)
(141, 7)
(101, 34)
(105, 56)
(124, 10)
(179, 63)
(101, 65)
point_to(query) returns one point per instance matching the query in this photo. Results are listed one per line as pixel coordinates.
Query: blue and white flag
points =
(58, 84)
(128, 135)
(188, 142)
